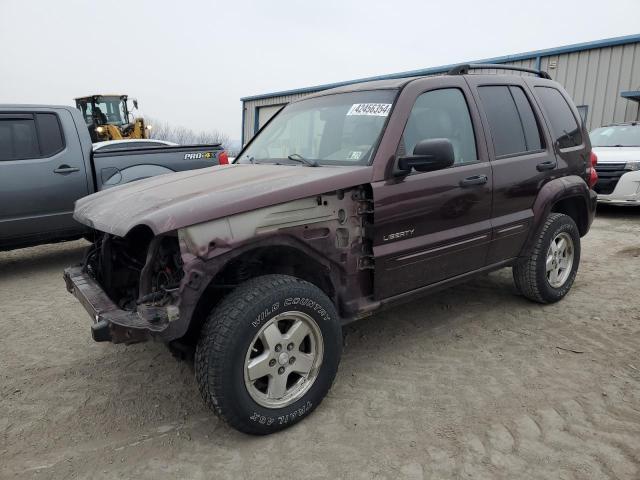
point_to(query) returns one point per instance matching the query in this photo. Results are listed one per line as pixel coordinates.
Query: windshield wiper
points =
(296, 157)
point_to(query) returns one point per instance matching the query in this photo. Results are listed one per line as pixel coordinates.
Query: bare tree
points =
(185, 136)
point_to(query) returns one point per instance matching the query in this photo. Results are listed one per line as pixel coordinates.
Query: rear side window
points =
(564, 126)
(51, 140)
(513, 125)
(18, 139)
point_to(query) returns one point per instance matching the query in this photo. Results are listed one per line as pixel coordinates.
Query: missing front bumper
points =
(111, 323)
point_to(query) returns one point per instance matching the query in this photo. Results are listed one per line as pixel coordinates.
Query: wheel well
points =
(265, 260)
(140, 235)
(282, 259)
(576, 209)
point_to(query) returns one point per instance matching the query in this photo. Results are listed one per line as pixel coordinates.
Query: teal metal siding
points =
(594, 74)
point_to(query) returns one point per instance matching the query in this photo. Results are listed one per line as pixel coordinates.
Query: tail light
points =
(591, 170)
(223, 158)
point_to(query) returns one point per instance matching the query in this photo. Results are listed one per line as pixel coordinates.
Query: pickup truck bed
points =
(117, 167)
(47, 163)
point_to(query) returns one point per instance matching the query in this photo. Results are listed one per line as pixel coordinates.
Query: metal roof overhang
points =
(633, 95)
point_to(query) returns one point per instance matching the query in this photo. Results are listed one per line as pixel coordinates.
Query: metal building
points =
(603, 77)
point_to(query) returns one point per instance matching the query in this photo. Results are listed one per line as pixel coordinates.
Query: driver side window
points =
(441, 114)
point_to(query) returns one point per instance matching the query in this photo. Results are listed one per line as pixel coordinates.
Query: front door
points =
(41, 175)
(433, 226)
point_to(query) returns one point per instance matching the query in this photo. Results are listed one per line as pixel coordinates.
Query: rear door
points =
(432, 226)
(521, 156)
(42, 174)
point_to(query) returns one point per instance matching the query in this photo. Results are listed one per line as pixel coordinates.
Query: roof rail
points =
(464, 69)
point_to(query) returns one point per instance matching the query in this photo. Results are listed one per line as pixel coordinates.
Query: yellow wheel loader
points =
(108, 117)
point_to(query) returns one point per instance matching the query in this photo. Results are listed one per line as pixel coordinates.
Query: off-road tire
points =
(229, 331)
(530, 275)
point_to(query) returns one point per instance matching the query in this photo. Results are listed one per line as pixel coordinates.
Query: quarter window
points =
(442, 114)
(564, 126)
(513, 125)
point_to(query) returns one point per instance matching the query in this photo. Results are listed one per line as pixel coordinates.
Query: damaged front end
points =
(162, 286)
(129, 285)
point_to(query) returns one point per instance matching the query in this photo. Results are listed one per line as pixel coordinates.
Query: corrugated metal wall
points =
(593, 77)
(251, 107)
(596, 78)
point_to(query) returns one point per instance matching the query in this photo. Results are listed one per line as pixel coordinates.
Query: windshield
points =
(113, 109)
(616, 136)
(108, 110)
(339, 129)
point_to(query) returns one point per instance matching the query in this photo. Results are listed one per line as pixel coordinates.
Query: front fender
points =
(200, 274)
(324, 232)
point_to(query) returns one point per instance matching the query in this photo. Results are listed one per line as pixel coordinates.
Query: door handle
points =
(66, 169)
(548, 165)
(474, 180)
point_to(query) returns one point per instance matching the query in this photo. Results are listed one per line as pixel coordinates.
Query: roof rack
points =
(464, 69)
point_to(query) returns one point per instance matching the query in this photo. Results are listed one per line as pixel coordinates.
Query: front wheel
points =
(547, 275)
(268, 353)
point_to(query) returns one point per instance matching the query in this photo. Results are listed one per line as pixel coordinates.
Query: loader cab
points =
(107, 116)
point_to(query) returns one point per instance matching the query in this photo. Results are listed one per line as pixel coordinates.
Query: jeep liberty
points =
(346, 201)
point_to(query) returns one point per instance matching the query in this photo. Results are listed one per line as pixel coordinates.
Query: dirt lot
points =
(474, 382)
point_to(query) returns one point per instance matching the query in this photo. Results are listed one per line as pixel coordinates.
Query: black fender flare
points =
(200, 272)
(571, 186)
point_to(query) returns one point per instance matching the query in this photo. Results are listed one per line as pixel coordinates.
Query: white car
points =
(618, 150)
(110, 145)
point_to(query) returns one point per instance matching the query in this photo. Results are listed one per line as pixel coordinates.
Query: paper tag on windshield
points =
(374, 109)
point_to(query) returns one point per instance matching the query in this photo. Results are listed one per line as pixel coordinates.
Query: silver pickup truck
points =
(47, 163)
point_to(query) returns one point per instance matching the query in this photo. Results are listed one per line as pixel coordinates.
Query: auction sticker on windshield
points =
(375, 109)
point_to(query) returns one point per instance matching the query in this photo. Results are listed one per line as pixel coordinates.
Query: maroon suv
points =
(347, 201)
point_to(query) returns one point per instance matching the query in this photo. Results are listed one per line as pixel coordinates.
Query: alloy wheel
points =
(559, 260)
(283, 359)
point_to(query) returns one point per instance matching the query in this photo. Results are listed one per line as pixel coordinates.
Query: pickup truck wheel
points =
(547, 275)
(268, 353)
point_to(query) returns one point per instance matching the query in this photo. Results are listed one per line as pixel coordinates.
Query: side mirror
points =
(135, 103)
(428, 155)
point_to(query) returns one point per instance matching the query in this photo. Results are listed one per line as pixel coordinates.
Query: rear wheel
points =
(268, 353)
(548, 273)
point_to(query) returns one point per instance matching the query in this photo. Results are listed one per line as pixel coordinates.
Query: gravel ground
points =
(474, 382)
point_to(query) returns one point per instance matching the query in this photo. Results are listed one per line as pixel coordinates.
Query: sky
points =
(189, 62)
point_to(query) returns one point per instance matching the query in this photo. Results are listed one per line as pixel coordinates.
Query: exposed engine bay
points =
(136, 270)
